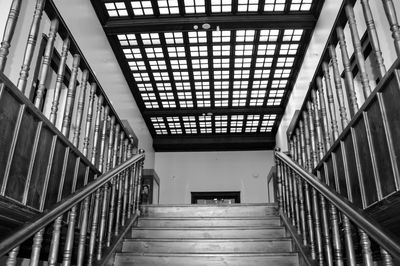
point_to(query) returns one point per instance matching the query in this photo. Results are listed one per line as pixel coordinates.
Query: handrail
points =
(45, 218)
(362, 220)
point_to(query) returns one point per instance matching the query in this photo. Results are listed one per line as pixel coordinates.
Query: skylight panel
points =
(221, 94)
(241, 62)
(183, 86)
(141, 8)
(251, 129)
(276, 93)
(221, 118)
(239, 94)
(262, 73)
(116, 9)
(274, 101)
(244, 50)
(279, 84)
(239, 102)
(176, 51)
(274, 5)
(206, 130)
(203, 103)
(199, 63)
(137, 65)
(150, 38)
(168, 104)
(133, 53)
(162, 132)
(221, 6)
(222, 36)
(184, 95)
(154, 52)
(202, 85)
(247, 5)
(186, 104)
(148, 96)
(127, 39)
(200, 75)
(221, 85)
(256, 102)
(195, 6)
(288, 49)
(151, 105)
(269, 35)
(158, 65)
(241, 74)
(266, 49)
(173, 37)
(190, 130)
(221, 50)
(202, 94)
(300, 5)
(145, 87)
(282, 73)
(181, 75)
(285, 62)
(260, 84)
(292, 35)
(164, 86)
(197, 51)
(140, 76)
(178, 64)
(166, 96)
(221, 74)
(197, 36)
(221, 62)
(221, 130)
(221, 103)
(264, 62)
(245, 35)
(161, 76)
(168, 7)
(258, 93)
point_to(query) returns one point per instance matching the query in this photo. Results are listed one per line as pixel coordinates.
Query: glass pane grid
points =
(142, 8)
(116, 9)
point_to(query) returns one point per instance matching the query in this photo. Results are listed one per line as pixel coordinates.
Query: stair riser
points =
(206, 233)
(206, 261)
(207, 222)
(207, 211)
(207, 246)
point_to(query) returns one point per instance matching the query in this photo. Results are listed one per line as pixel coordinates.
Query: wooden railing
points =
(97, 215)
(355, 151)
(342, 236)
(54, 142)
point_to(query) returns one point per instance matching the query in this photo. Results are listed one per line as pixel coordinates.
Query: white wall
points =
(183, 172)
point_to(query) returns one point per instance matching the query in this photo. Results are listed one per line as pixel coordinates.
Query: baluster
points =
(59, 81)
(286, 187)
(337, 244)
(366, 248)
(348, 240)
(83, 232)
(48, 54)
(113, 185)
(326, 233)
(9, 32)
(102, 226)
(119, 185)
(290, 180)
(394, 24)
(80, 107)
(136, 183)
(12, 257)
(126, 183)
(96, 132)
(327, 141)
(69, 242)
(386, 258)
(320, 143)
(89, 119)
(348, 75)
(30, 45)
(331, 101)
(279, 197)
(373, 37)
(36, 247)
(55, 242)
(300, 144)
(295, 179)
(303, 161)
(338, 86)
(358, 50)
(130, 174)
(313, 143)
(141, 162)
(306, 188)
(69, 103)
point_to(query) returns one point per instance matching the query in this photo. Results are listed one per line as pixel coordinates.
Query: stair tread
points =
(213, 218)
(215, 228)
(231, 254)
(206, 240)
(211, 205)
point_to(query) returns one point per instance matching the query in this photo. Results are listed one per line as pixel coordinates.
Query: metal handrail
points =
(45, 218)
(356, 215)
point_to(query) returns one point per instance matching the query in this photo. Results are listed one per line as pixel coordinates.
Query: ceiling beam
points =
(217, 111)
(163, 24)
(214, 143)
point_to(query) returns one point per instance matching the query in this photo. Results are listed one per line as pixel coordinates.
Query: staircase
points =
(242, 234)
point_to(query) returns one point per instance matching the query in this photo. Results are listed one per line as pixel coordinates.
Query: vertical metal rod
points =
(278, 182)
(59, 81)
(102, 226)
(119, 185)
(113, 186)
(125, 185)
(12, 257)
(30, 45)
(331, 101)
(358, 50)
(36, 247)
(48, 54)
(9, 32)
(80, 108)
(365, 248)
(348, 240)
(130, 177)
(348, 75)
(394, 24)
(338, 86)
(322, 105)
(69, 102)
(373, 37)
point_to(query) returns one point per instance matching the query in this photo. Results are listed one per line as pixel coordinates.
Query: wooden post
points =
(300, 144)
(81, 106)
(336, 241)
(89, 119)
(120, 190)
(366, 248)
(348, 240)
(48, 54)
(36, 247)
(322, 105)
(320, 143)
(9, 32)
(30, 45)
(278, 182)
(331, 103)
(394, 24)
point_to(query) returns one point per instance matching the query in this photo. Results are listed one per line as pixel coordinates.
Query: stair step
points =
(207, 245)
(209, 210)
(210, 232)
(236, 259)
(208, 222)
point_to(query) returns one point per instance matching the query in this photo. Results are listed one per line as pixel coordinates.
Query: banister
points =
(45, 218)
(356, 215)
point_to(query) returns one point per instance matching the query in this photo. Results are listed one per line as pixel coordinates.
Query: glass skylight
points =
(221, 6)
(116, 9)
(247, 5)
(274, 5)
(195, 6)
(168, 7)
(141, 8)
(301, 5)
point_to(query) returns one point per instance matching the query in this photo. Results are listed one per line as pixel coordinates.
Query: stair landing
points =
(236, 234)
